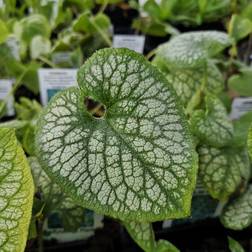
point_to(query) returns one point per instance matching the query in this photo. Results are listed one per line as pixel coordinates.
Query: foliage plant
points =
(135, 138)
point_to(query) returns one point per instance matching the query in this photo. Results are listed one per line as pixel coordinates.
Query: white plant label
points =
(61, 57)
(133, 42)
(5, 87)
(240, 106)
(53, 80)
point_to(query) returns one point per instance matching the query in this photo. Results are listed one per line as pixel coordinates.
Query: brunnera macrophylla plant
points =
(120, 145)
(16, 193)
(187, 60)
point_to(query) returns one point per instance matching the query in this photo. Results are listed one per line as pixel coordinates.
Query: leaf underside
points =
(16, 193)
(193, 49)
(238, 214)
(223, 170)
(138, 160)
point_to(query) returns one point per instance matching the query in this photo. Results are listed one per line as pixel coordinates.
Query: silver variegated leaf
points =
(16, 193)
(212, 125)
(187, 81)
(237, 214)
(223, 170)
(192, 49)
(142, 233)
(136, 160)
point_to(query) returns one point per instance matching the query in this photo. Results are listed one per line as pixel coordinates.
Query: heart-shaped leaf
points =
(212, 125)
(223, 170)
(187, 81)
(16, 193)
(142, 233)
(192, 49)
(120, 144)
(237, 215)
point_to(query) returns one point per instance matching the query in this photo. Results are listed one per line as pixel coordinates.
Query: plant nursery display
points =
(141, 139)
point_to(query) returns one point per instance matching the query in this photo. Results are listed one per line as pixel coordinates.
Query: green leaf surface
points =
(193, 49)
(239, 27)
(234, 245)
(39, 46)
(54, 200)
(142, 233)
(33, 25)
(249, 141)
(241, 83)
(16, 194)
(137, 161)
(187, 81)
(223, 170)
(237, 215)
(241, 128)
(165, 246)
(212, 125)
(4, 31)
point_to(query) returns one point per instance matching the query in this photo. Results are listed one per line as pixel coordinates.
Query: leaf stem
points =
(47, 61)
(151, 53)
(103, 7)
(102, 33)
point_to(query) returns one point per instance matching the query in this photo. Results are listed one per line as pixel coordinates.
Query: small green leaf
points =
(237, 215)
(193, 49)
(234, 246)
(223, 170)
(39, 46)
(16, 194)
(120, 144)
(241, 83)
(212, 125)
(29, 27)
(142, 234)
(165, 246)
(187, 81)
(239, 27)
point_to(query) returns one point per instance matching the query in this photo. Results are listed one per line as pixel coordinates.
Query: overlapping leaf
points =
(192, 49)
(212, 125)
(142, 234)
(135, 162)
(55, 200)
(187, 81)
(16, 193)
(223, 170)
(238, 214)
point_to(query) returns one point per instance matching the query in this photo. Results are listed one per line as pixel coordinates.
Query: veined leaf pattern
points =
(223, 170)
(238, 213)
(212, 125)
(138, 160)
(187, 81)
(193, 49)
(16, 193)
(142, 233)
